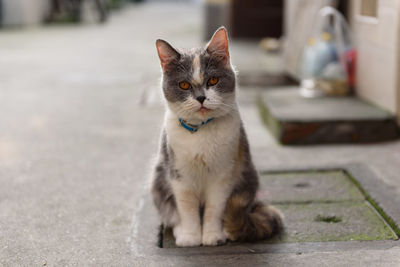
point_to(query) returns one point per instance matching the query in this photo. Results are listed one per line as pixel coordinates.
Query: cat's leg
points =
(217, 194)
(188, 231)
(163, 197)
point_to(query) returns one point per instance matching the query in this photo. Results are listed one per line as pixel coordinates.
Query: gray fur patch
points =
(213, 68)
(163, 197)
(249, 180)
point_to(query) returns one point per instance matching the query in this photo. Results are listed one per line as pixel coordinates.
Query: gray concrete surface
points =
(303, 187)
(80, 113)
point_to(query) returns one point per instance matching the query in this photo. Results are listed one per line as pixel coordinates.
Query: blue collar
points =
(193, 127)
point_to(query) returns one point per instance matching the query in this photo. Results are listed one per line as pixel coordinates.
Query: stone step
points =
(295, 120)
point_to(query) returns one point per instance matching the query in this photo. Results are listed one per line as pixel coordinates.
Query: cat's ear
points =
(166, 53)
(218, 45)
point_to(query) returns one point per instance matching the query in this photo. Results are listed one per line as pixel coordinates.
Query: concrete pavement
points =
(80, 113)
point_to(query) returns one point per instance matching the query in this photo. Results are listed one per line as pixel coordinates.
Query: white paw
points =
(187, 238)
(213, 238)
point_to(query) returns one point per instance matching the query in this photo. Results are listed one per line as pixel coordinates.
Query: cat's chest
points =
(211, 148)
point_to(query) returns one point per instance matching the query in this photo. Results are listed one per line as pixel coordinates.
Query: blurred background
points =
(368, 30)
(81, 107)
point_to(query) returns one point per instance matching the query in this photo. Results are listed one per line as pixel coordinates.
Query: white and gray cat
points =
(205, 183)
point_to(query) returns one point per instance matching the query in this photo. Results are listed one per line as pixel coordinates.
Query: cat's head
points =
(200, 83)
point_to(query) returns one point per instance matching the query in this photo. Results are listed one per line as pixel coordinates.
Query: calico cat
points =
(205, 183)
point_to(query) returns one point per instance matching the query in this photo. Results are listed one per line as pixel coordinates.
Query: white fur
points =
(205, 161)
(197, 74)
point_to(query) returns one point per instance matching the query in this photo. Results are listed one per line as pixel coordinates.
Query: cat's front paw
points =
(187, 239)
(213, 238)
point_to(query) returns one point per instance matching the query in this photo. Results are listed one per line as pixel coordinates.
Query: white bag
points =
(328, 60)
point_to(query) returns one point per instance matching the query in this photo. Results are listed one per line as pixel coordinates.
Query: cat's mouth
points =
(203, 110)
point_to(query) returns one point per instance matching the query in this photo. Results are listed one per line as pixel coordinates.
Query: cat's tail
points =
(248, 220)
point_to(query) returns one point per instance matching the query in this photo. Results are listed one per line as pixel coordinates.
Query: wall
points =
(377, 42)
(24, 12)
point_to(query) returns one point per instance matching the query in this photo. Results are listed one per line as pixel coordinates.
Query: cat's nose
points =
(201, 99)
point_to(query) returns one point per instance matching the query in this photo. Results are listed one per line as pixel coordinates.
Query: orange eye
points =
(184, 85)
(213, 81)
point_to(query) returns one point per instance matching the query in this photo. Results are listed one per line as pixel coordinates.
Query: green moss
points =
(375, 204)
(325, 238)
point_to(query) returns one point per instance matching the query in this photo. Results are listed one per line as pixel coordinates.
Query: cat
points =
(204, 185)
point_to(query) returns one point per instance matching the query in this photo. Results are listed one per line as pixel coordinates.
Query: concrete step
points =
(295, 120)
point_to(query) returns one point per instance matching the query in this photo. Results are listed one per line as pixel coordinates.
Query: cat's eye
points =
(184, 85)
(213, 81)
